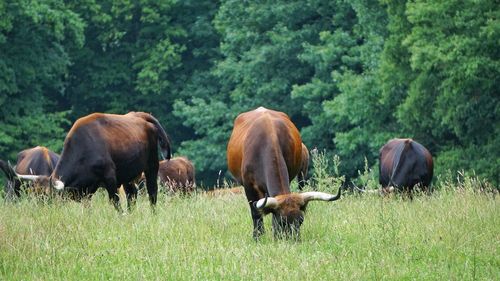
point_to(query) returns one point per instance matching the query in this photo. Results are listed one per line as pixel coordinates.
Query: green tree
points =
(260, 46)
(129, 58)
(351, 74)
(35, 37)
(454, 97)
(351, 121)
(141, 56)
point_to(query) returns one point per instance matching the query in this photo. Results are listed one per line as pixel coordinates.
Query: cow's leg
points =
(131, 192)
(427, 189)
(257, 218)
(17, 188)
(258, 222)
(85, 195)
(114, 197)
(152, 186)
(112, 188)
(252, 194)
(301, 179)
(407, 192)
(10, 190)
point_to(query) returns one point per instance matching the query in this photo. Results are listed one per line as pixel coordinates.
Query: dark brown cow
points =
(111, 149)
(177, 174)
(264, 154)
(38, 160)
(304, 167)
(404, 163)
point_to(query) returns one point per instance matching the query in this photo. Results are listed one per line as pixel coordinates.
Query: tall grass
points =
(453, 234)
(447, 236)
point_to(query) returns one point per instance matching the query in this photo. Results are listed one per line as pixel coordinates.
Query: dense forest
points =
(350, 74)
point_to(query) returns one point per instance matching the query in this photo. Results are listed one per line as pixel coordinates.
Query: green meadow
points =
(450, 235)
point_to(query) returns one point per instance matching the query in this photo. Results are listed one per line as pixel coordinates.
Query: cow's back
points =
(117, 133)
(404, 163)
(423, 168)
(36, 161)
(178, 170)
(387, 160)
(123, 142)
(263, 143)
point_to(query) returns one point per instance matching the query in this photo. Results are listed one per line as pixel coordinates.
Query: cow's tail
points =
(397, 158)
(165, 147)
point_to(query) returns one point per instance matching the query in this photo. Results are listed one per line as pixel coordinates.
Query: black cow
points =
(33, 161)
(404, 163)
(111, 150)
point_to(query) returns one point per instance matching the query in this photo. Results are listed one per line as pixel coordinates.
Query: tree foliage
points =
(351, 74)
(34, 61)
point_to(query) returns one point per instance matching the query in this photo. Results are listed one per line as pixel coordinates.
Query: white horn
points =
(268, 202)
(28, 177)
(322, 196)
(316, 195)
(59, 185)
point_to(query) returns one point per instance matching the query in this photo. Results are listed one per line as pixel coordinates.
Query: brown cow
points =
(404, 163)
(38, 160)
(264, 154)
(111, 149)
(177, 174)
(304, 167)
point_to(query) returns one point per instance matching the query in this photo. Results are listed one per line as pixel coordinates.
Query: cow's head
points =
(41, 184)
(288, 210)
(37, 184)
(49, 186)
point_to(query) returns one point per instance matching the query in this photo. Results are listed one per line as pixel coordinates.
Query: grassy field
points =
(446, 236)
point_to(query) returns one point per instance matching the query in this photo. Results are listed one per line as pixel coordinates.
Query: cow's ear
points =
(266, 203)
(264, 210)
(267, 211)
(303, 207)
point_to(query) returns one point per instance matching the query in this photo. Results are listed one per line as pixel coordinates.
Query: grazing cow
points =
(404, 163)
(33, 161)
(111, 149)
(177, 174)
(304, 167)
(264, 154)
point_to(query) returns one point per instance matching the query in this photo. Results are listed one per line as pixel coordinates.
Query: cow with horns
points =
(404, 164)
(38, 160)
(111, 150)
(264, 154)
